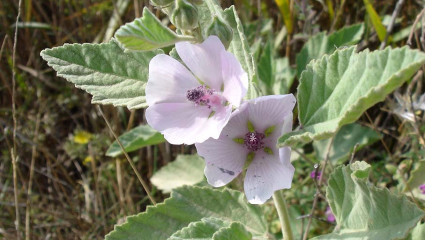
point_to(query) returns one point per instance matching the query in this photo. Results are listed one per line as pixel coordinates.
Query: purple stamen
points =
(199, 95)
(254, 141)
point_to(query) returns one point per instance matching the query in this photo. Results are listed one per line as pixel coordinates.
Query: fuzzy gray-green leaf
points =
(191, 204)
(214, 229)
(363, 211)
(185, 170)
(103, 70)
(147, 33)
(337, 89)
(135, 139)
(321, 44)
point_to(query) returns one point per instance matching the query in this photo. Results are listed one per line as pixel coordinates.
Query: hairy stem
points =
(282, 211)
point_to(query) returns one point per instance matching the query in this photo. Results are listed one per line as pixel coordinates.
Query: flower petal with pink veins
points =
(224, 159)
(282, 127)
(168, 81)
(182, 123)
(275, 107)
(265, 175)
(188, 105)
(235, 79)
(270, 169)
(285, 156)
(204, 60)
(237, 124)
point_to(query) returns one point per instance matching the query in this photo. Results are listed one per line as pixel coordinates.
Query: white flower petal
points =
(204, 60)
(265, 175)
(168, 80)
(237, 126)
(285, 127)
(285, 156)
(185, 123)
(287, 124)
(214, 124)
(224, 159)
(223, 156)
(235, 79)
(268, 111)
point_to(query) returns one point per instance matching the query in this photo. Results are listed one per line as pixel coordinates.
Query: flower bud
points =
(221, 30)
(162, 3)
(185, 15)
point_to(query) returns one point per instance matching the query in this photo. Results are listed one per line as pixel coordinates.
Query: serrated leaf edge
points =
(402, 198)
(292, 138)
(150, 208)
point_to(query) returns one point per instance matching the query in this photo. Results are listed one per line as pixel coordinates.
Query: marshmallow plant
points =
(201, 85)
(200, 100)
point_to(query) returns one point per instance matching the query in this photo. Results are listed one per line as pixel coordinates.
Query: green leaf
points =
(103, 70)
(275, 73)
(376, 21)
(417, 176)
(185, 170)
(236, 231)
(266, 67)
(418, 233)
(360, 169)
(135, 139)
(191, 204)
(363, 211)
(337, 89)
(404, 33)
(212, 228)
(147, 33)
(284, 78)
(344, 141)
(321, 44)
(239, 45)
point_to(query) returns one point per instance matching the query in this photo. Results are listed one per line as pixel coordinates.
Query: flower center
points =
(254, 141)
(205, 97)
(197, 94)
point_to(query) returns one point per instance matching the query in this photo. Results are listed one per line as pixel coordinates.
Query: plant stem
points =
(144, 185)
(282, 211)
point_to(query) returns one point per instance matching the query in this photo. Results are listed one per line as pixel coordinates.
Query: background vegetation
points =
(68, 189)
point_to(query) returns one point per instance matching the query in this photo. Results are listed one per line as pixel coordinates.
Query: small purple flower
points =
(192, 104)
(329, 215)
(422, 188)
(316, 176)
(249, 139)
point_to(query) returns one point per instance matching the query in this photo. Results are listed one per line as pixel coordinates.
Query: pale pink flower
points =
(422, 188)
(316, 174)
(191, 104)
(250, 138)
(329, 215)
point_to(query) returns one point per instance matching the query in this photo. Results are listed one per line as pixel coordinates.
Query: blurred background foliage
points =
(69, 189)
